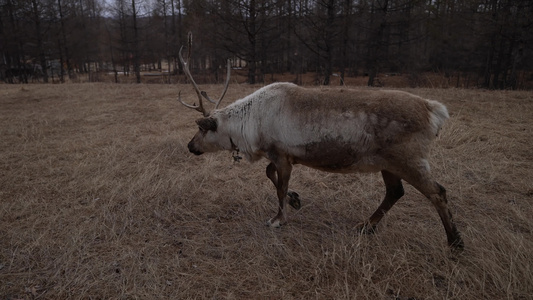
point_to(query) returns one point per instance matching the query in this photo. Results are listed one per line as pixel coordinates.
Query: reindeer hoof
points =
(365, 228)
(273, 223)
(457, 244)
(294, 200)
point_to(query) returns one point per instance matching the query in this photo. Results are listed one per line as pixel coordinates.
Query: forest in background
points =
(481, 43)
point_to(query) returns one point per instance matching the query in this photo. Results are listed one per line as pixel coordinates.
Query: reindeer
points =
(333, 130)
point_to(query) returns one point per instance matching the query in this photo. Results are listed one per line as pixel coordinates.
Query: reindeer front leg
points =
(294, 198)
(283, 171)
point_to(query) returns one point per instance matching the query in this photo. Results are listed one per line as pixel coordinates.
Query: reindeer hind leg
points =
(436, 193)
(394, 191)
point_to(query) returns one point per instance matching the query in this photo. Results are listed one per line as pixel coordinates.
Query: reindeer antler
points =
(226, 84)
(200, 106)
(200, 94)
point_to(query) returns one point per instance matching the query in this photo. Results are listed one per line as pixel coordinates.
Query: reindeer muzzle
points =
(193, 150)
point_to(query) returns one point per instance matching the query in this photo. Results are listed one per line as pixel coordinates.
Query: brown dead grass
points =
(100, 199)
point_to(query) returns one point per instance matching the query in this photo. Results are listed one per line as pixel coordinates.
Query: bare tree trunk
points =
(61, 71)
(345, 38)
(136, 58)
(252, 35)
(328, 41)
(40, 46)
(64, 38)
(290, 52)
(176, 39)
(167, 41)
(376, 43)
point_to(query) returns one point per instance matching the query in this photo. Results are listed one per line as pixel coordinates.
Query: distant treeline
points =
(488, 41)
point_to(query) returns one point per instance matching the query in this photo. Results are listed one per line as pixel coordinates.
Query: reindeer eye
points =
(203, 130)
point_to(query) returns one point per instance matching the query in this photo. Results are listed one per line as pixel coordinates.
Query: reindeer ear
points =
(207, 124)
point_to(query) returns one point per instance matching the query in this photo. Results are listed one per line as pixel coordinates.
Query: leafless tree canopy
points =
(487, 43)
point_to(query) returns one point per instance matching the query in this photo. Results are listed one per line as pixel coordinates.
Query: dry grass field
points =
(100, 199)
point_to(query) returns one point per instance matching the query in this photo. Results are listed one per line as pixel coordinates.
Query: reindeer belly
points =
(339, 157)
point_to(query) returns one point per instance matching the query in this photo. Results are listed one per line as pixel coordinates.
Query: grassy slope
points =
(101, 199)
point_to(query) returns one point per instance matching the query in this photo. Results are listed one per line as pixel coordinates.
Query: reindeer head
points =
(208, 138)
